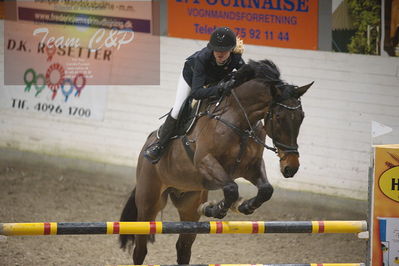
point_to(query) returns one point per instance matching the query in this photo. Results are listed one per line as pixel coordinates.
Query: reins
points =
(251, 132)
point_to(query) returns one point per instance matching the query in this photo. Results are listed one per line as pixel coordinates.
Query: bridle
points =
(281, 146)
(277, 145)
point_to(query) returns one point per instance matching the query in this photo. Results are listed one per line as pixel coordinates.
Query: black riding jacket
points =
(201, 69)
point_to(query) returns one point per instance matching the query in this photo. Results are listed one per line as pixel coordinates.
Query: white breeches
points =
(183, 90)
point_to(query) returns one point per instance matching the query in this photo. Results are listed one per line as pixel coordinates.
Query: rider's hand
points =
(226, 86)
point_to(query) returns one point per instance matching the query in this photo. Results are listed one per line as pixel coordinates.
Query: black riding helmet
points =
(222, 39)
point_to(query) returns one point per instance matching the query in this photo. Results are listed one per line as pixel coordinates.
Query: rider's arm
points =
(206, 92)
(199, 78)
(199, 91)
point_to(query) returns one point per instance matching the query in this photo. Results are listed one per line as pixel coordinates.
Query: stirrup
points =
(154, 153)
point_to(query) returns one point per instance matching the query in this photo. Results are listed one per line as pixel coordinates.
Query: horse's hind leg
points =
(149, 201)
(187, 204)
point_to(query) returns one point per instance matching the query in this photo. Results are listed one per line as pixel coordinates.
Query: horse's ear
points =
(302, 90)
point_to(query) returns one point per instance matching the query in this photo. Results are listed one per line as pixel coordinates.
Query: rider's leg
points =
(155, 151)
(183, 90)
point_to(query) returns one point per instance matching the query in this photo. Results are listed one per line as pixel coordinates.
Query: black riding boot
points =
(154, 152)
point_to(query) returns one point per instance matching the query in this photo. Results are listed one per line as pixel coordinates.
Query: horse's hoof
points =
(203, 206)
(235, 205)
(219, 215)
(244, 209)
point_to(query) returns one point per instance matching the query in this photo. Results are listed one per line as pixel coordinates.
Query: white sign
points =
(378, 129)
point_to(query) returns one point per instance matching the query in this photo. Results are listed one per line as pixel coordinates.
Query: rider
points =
(200, 79)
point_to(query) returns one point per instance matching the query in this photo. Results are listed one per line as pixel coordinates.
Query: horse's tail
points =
(129, 214)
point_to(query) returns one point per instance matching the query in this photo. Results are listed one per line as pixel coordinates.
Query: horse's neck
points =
(253, 99)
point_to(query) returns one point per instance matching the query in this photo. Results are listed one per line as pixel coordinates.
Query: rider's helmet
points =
(222, 39)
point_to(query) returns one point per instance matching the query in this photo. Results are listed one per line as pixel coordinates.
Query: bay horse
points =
(227, 142)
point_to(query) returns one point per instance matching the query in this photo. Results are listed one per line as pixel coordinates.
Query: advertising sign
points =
(385, 206)
(1, 9)
(280, 23)
(61, 56)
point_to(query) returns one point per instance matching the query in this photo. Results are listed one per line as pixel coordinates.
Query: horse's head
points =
(282, 109)
(282, 124)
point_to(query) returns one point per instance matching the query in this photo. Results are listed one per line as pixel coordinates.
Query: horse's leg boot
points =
(154, 152)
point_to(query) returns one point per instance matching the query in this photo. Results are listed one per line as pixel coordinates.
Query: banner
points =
(280, 23)
(2, 9)
(60, 56)
(384, 201)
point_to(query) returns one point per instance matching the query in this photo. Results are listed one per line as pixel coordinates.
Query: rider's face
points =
(221, 57)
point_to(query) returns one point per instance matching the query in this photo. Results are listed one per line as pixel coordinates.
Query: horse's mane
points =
(267, 72)
(263, 69)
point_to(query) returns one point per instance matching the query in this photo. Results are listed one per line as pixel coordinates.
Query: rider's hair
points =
(239, 49)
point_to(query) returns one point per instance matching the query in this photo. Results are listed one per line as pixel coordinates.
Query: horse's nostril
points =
(290, 171)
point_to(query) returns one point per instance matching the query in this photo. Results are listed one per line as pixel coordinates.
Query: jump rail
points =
(145, 228)
(309, 264)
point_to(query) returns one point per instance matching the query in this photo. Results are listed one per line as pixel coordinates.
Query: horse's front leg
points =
(216, 177)
(265, 192)
(219, 210)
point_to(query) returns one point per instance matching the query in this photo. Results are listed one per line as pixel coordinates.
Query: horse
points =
(227, 142)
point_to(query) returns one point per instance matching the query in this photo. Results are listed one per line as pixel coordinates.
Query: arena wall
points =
(335, 141)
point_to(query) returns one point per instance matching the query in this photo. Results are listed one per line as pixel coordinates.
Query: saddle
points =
(187, 117)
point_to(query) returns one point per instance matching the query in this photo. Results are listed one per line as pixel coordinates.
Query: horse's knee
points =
(230, 192)
(265, 192)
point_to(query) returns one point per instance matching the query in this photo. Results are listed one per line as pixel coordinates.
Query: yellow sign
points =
(389, 183)
(385, 206)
